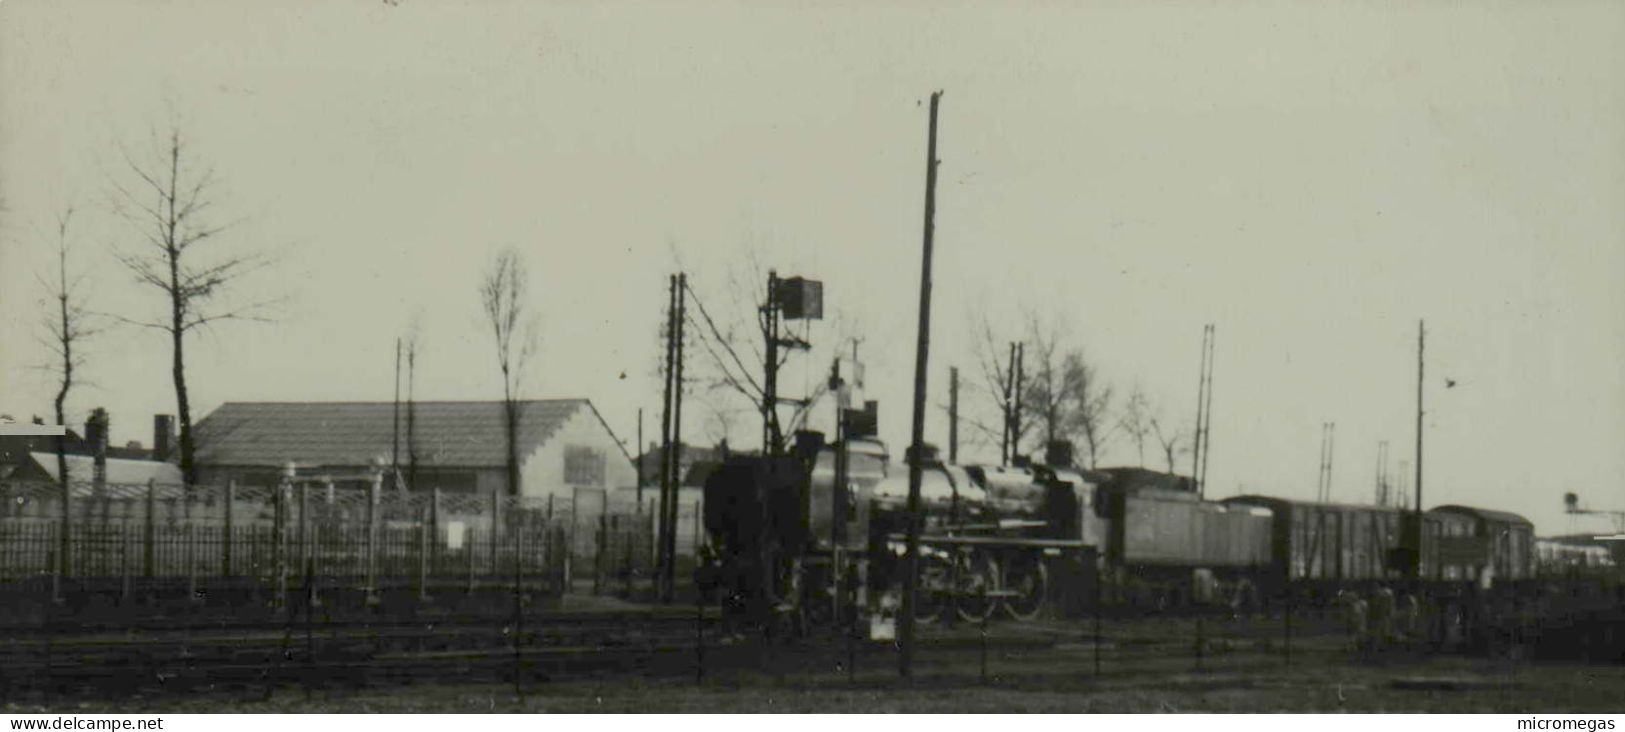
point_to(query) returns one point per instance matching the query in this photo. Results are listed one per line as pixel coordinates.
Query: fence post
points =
(598, 562)
(226, 537)
(496, 530)
(436, 537)
(373, 491)
(279, 543)
(124, 561)
(65, 555)
(423, 552)
(304, 524)
(191, 557)
(150, 531)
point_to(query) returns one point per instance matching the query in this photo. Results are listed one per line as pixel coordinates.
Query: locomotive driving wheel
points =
(978, 575)
(934, 589)
(1026, 576)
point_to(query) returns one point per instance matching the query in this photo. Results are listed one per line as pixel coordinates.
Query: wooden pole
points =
(1009, 407)
(1421, 342)
(953, 415)
(905, 636)
(677, 442)
(637, 464)
(1201, 406)
(1207, 415)
(667, 461)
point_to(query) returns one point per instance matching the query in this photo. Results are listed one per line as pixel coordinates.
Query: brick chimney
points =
(163, 436)
(96, 434)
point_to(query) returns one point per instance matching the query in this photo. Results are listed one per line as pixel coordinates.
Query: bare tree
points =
(1135, 420)
(179, 256)
(1091, 399)
(1067, 399)
(503, 295)
(68, 323)
(999, 382)
(1171, 442)
(736, 355)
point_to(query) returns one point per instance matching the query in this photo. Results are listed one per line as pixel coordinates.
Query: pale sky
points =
(1311, 177)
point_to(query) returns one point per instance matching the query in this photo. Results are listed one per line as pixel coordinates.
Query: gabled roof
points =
(448, 434)
(1501, 517)
(82, 467)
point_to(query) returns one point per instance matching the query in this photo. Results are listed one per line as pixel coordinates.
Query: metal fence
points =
(364, 537)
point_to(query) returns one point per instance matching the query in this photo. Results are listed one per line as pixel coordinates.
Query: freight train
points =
(785, 537)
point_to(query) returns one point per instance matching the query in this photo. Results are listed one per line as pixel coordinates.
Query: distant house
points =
(564, 446)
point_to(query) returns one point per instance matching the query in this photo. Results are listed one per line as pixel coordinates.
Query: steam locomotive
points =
(787, 537)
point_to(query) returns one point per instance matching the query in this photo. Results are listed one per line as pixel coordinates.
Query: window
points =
(583, 466)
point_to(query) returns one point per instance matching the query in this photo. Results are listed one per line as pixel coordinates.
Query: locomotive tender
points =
(1019, 540)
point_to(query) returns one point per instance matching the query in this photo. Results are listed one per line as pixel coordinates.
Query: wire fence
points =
(362, 536)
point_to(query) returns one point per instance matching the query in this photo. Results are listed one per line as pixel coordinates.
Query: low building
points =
(42, 466)
(564, 446)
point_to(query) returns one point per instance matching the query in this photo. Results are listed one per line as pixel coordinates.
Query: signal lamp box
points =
(860, 422)
(801, 299)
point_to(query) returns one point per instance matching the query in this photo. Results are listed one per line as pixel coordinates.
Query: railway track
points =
(162, 656)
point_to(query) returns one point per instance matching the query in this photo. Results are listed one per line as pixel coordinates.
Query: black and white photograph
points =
(698, 357)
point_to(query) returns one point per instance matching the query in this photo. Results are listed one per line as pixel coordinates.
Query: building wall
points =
(543, 472)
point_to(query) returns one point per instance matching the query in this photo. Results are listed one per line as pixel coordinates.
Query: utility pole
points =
(771, 439)
(1207, 414)
(638, 464)
(953, 415)
(676, 439)
(1328, 443)
(905, 635)
(667, 465)
(837, 493)
(1382, 473)
(1421, 339)
(1204, 402)
(1020, 380)
(395, 432)
(1008, 408)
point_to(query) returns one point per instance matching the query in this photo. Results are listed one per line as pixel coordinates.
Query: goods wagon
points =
(1474, 542)
(1330, 542)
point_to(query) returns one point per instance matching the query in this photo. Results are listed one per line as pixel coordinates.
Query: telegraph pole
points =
(905, 635)
(1021, 385)
(667, 466)
(770, 379)
(1204, 406)
(638, 464)
(1009, 407)
(953, 415)
(676, 438)
(395, 433)
(1421, 339)
(1207, 415)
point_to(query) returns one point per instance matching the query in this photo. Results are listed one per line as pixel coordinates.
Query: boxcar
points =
(1472, 542)
(1330, 542)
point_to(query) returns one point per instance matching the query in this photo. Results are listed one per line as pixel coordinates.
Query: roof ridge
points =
(418, 401)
